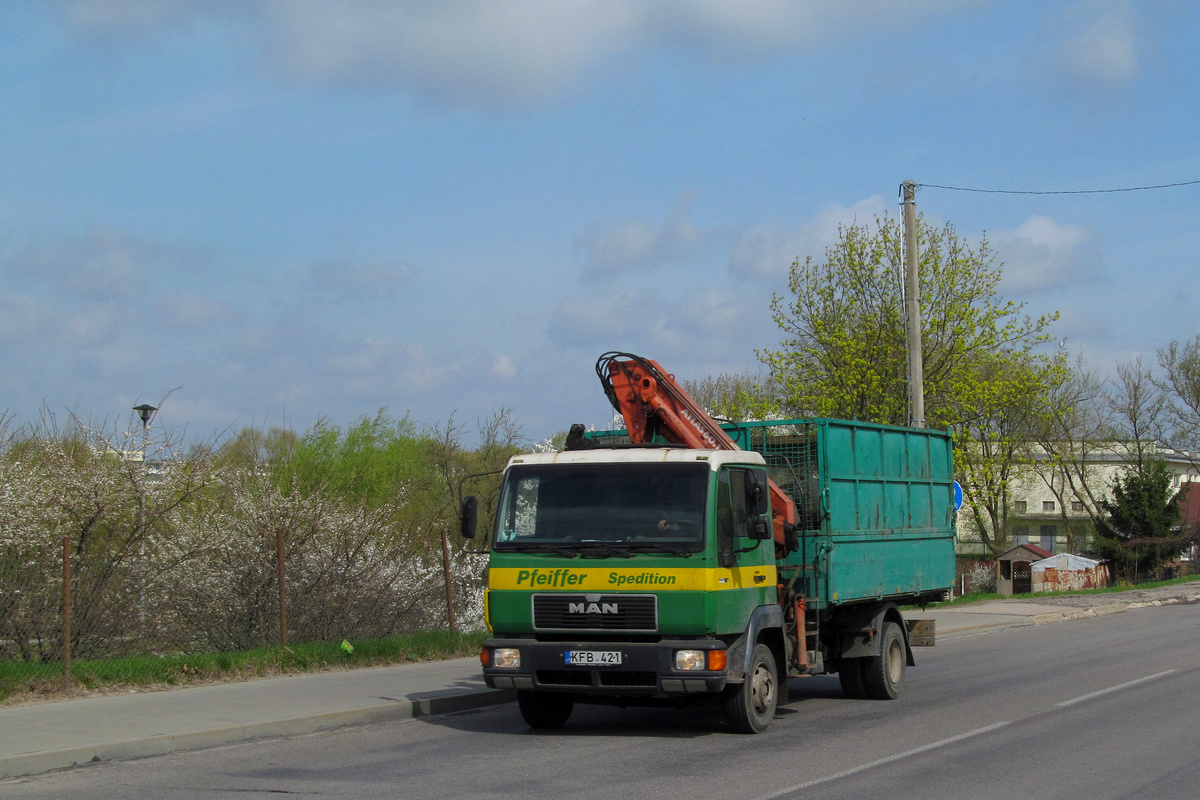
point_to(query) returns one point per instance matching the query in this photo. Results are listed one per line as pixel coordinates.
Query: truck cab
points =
(629, 575)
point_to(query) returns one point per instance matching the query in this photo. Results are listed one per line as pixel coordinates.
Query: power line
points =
(1073, 191)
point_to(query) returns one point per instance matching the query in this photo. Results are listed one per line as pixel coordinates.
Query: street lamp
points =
(145, 411)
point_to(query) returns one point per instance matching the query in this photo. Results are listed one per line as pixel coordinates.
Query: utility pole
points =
(912, 297)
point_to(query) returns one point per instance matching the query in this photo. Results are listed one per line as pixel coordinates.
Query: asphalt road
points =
(1095, 708)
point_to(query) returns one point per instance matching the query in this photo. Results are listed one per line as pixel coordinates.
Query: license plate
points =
(593, 657)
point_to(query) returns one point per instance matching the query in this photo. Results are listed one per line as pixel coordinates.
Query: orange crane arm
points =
(651, 401)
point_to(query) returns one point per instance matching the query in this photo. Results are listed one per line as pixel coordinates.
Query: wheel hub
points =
(762, 690)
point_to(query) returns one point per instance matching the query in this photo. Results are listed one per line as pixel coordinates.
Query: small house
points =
(1014, 569)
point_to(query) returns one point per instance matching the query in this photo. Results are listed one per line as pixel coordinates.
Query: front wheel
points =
(884, 674)
(545, 710)
(750, 706)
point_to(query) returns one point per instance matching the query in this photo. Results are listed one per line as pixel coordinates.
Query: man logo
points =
(592, 608)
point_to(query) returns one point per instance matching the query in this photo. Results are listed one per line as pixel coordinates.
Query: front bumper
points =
(646, 669)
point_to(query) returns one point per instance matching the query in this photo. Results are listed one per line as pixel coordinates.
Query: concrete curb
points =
(1115, 608)
(32, 763)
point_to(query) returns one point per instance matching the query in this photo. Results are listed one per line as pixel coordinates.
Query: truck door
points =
(748, 566)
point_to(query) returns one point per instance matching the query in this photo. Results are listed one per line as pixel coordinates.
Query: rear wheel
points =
(750, 706)
(884, 674)
(545, 710)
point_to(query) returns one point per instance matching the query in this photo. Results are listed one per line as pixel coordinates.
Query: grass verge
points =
(976, 597)
(27, 680)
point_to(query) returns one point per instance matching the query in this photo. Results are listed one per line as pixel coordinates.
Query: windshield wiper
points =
(604, 551)
(658, 547)
(554, 550)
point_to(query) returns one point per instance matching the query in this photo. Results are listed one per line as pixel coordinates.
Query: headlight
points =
(711, 660)
(509, 657)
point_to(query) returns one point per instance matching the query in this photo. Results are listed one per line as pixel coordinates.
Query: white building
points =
(1053, 507)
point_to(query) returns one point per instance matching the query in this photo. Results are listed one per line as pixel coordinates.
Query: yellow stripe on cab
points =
(607, 579)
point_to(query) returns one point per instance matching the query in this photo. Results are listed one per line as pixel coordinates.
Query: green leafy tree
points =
(845, 354)
(988, 368)
(1140, 527)
(994, 450)
(252, 446)
(737, 397)
(375, 460)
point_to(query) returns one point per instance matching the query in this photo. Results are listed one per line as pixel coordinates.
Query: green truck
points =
(653, 573)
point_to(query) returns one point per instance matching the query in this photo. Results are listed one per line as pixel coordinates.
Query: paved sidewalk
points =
(53, 735)
(44, 736)
(992, 615)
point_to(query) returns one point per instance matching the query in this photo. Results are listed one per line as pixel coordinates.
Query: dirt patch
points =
(1179, 593)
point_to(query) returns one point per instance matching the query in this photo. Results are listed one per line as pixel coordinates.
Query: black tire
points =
(883, 675)
(750, 706)
(545, 711)
(850, 675)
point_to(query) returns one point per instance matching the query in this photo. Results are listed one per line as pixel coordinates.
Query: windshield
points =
(634, 506)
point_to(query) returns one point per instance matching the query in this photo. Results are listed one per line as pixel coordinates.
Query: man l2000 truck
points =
(685, 562)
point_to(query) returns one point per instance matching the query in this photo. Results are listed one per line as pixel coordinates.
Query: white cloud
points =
(640, 245)
(502, 367)
(109, 363)
(706, 322)
(473, 51)
(193, 310)
(767, 251)
(758, 27)
(115, 18)
(347, 279)
(1095, 43)
(21, 318)
(102, 263)
(1042, 253)
(481, 52)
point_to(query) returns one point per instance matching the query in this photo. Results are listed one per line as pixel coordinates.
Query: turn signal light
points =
(717, 660)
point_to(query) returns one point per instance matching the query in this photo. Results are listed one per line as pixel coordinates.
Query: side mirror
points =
(468, 517)
(759, 529)
(757, 498)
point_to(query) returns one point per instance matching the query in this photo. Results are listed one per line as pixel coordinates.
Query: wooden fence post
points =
(282, 588)
(446, 573)
(66, 608)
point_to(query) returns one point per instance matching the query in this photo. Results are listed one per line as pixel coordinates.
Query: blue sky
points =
(294, 209)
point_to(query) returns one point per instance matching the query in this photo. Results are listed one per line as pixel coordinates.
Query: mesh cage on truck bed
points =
(789, 448)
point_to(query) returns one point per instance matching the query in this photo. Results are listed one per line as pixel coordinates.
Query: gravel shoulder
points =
(1177, 593)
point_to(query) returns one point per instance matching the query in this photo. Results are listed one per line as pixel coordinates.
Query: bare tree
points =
(1139, 410)
(1181, 384)
(1076, 437)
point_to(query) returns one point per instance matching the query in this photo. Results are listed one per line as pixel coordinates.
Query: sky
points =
(259, 213)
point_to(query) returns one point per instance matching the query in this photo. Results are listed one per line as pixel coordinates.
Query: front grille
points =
(592, 612)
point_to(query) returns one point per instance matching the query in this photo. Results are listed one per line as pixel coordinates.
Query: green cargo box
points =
(874, 506)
